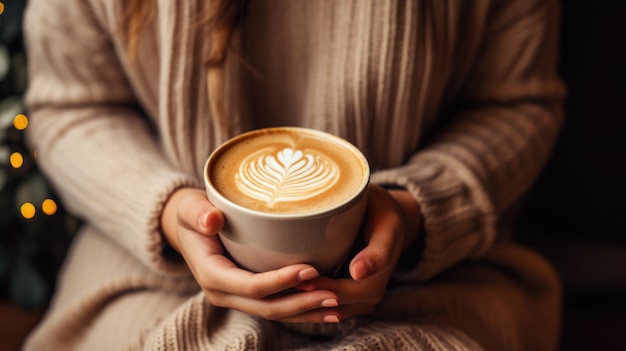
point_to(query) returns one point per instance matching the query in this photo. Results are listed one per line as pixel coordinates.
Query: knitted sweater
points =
(456, 101)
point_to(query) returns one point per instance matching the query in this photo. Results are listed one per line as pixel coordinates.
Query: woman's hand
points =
(392, 223)
(190, 223)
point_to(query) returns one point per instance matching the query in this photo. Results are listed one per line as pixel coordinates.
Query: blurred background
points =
(34, 229)
(575, 215)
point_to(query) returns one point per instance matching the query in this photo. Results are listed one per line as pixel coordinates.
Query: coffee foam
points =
(287, 171)
(287, 175)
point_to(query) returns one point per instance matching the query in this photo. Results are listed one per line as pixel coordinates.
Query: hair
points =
(223, 17)
(136, 14)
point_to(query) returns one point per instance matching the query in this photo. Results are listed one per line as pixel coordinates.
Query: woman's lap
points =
(496, 300)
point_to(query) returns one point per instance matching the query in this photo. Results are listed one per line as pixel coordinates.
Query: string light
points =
(27, 210)
(16, 160)
(20, 122)
(49, 207)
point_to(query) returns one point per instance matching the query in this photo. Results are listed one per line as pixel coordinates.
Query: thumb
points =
(199, 215)
(383, 241)
(373, 258)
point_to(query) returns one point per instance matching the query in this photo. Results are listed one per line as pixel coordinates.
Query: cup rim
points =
(358, 194)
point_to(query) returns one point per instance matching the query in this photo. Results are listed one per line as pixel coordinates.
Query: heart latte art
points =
(286, 175)
(288, 171)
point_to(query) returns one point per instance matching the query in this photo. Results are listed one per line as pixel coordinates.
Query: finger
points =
(214, 272)
(259, 285)
(382, 228)
(367, 291)
(320, 315)
(311, 306)
(199, 215)
(218, 272)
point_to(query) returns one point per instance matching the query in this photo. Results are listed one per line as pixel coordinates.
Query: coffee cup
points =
(289, 195)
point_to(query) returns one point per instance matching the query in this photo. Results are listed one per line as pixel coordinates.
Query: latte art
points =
(286, 175)
(287, 170)
(288, 195)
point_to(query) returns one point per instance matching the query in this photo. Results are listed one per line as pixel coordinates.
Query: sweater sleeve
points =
(93, 144)
(495, 144)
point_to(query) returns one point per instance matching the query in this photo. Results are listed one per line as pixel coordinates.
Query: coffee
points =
(288, 195)
(288, 171)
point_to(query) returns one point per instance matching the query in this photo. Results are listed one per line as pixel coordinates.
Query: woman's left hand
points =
(392, 222)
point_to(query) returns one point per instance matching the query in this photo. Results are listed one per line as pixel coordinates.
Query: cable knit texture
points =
(456, 101)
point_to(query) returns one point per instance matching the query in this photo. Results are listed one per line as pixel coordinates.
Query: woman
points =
(455, 104)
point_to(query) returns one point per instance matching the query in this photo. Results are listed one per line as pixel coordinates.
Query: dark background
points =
(31, 250)
(574, 215)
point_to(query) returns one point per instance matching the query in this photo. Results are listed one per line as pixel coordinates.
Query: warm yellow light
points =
(35, 153)
(27, 210)
(49, 207)
(17, 160)
(1, 7)
(20, 122)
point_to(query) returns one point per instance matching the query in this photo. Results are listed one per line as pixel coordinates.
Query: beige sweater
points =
(456, 101)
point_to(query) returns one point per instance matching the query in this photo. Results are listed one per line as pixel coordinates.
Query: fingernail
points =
(331, 318)
(307, 274)
(360, 269)
(330, 303)
(204, 219)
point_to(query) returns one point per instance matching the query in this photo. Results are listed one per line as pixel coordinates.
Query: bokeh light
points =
(27, 210)
(20, 122)
(1, 7)
(16, 159)
(49, 207)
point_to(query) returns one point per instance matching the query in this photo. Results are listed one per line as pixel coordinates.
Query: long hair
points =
(221, 16)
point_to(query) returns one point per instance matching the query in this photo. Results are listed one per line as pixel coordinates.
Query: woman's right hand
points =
(190, 224)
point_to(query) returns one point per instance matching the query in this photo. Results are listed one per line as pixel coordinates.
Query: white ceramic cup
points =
(259, 240)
